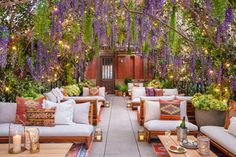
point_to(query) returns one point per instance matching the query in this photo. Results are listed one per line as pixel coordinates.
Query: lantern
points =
(107, 104)
(128, 104)
(16, 143)
(141, 135)
(32, 140)
(203, 145)
(98, 135)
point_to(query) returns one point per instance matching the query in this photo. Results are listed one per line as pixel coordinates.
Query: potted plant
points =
(209, 110)
(124, 90)
(117, 88)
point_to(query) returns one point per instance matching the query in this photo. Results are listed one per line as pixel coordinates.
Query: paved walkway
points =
(120, 127)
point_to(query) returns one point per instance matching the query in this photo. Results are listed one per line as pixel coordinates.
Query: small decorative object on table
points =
(32, 139)
(141, 135)
(189, 144)
(16, 143)
(107, 104)
(182, 131)
(98, 135)
(128, 104)
(203, 145)
(177, 149)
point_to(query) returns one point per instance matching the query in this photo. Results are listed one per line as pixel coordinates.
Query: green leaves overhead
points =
(172, 34)
(88, 27)
(219, 7)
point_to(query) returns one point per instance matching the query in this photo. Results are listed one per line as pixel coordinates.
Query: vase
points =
(181, 133)
(211, 117)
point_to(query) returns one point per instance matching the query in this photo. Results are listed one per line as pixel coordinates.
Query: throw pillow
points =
(93, 91)
(102, 91)
(231, 112)
(170, 110)
(85, 91)
(168, 92)
(149, 91)
(232, 126)
(57, 92)
(64, 111)
(23, 104)
(158, 92)
(50, 96)
(40, 117)
(151, 110)
(81, 113)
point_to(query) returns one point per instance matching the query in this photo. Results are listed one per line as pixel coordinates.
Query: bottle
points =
(182, 125)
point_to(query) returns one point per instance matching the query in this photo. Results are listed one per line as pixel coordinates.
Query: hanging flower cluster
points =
(4, 40)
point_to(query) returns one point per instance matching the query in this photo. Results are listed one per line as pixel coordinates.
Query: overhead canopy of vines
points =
(183, 39)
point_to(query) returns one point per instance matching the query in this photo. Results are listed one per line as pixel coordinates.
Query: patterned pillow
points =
(40, 117)
(93, 91)
(170, 110)
(158, 92)
(150, 91)
(23, 104)
(231, 112)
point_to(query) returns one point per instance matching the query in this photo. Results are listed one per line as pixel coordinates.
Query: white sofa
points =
(154, 126)
(221, 138)
(138, 92)
(131, 85)
(59, 133)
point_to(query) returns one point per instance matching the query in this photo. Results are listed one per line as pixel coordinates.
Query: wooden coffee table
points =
(46, 150)
(167, 141)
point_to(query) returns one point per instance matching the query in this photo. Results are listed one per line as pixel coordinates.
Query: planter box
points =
(211, 117)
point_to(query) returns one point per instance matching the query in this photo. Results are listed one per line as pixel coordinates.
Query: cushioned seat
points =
(99, 98)
(220, 136)
(163, 125)
(58, 130)
(136, 100)
(186, 98)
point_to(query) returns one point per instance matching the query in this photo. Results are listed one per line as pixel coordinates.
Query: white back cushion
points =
(151, 110)
(232, 126)
(85, 91)
(102, 91)
(168, 92)
(7, 112)
(64, 111)
(137, 92)
(50, 96)
(57, 92)
(81, 113)
(187, 98)
(155, 98)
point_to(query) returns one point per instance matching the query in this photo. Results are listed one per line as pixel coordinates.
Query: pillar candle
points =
(16, 143)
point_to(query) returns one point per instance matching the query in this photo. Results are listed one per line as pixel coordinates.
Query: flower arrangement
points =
(208, 102)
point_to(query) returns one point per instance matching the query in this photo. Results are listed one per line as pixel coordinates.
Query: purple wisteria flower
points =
(4, 40)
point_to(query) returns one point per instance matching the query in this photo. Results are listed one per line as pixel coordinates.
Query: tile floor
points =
(120, 127)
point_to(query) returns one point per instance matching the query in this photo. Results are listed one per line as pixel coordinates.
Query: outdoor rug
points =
(78, 150)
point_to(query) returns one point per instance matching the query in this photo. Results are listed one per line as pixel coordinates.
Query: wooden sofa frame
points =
(60, 139)
(218, 146)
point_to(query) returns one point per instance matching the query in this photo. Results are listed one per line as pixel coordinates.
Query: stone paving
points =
(120, 128)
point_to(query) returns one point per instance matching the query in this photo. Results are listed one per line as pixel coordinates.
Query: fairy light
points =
(60, 42)
(227, 65)
(211, 71)
(7, 89)
(14, 48)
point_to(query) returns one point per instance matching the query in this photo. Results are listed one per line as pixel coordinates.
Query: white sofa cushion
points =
(168, 92)
(7, 112)
(57, 130)
(102, 92)
(186, 98)
(220, 136)
(136, 100)
(57, 92)
(85, 91)
(99, 98)
(232, 126)
(64, 111)
(151, 110)
(163, 125)
(137, 92)
(81, 113)
(50, 96)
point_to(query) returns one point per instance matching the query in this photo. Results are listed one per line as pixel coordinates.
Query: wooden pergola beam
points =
(9, 3)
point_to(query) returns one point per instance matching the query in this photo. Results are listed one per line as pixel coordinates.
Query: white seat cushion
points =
(136, 100)
(7, 112)
(58, 130)
(220, 136)
(232, 126)
(155, 98)
(99, 98)
(186, 98)
(163, 125)
(167, 92)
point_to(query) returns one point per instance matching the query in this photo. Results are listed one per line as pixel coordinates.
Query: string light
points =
(14, 48)
(7, 89)
(227, 65)
(211, 71)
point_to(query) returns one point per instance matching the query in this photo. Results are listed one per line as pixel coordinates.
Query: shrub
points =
(72, 90)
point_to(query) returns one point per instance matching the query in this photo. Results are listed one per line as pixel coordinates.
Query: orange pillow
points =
(23, 104)
(158, 92)
(170, 110)
(231, 112)
(94, 91)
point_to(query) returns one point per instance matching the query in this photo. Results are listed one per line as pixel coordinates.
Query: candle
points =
(141, 137)
(99, 137)
(16, 143)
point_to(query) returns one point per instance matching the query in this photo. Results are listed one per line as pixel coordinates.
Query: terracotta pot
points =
(116, 92)
(211, 117)
(120, 93)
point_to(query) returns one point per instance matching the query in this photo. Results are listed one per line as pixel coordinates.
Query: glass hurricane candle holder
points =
(98, 135)
(32, 140)
(107, 104)
(203, 145)
(141, 135)
(16, 141)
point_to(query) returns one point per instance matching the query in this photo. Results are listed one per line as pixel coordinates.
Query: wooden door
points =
(106, 76)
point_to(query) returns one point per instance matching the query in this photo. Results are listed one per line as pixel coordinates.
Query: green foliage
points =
(124, 88)
(167, 83)
(208, 102)
(219, 7)
(172, 34)
(88, 27)
(72, 90)
(218, 92)
(132, 23)
(117, 87)
(155, 83)
(127, 80)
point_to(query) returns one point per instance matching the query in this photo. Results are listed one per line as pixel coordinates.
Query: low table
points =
(46, 150)
(167, 141)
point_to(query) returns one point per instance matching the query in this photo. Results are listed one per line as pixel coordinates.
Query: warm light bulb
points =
(211, 71)
(60, 42)
(227, 65)
(13, 48)
(7, 89)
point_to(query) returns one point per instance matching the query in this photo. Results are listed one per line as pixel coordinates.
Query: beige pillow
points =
(151, 110)
(85, 91)
(232, 126)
